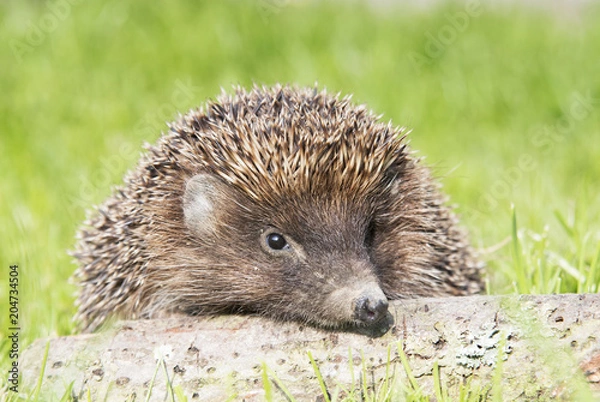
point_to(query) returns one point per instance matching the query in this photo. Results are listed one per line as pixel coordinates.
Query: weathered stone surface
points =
(542, 346)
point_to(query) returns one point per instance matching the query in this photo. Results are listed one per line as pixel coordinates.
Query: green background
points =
(504, 103)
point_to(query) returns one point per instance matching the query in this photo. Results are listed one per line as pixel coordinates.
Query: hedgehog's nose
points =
(371, 307)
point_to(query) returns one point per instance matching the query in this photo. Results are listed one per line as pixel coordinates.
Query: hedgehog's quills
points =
(284, 202)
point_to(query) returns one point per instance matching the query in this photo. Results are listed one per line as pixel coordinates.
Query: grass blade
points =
(38, 386)
(319, 377)
(266, 383)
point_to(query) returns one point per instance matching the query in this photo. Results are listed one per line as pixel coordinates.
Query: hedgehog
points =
(283, 202)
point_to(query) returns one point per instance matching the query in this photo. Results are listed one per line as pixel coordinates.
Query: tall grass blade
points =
(319, 377)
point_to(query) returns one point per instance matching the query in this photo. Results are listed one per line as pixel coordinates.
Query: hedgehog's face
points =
(306, 260)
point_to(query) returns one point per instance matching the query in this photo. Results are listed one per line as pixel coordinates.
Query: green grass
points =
(507, 111)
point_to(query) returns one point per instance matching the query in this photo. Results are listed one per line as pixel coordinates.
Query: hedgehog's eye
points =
(275, 241)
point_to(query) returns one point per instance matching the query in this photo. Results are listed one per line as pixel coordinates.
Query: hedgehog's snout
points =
(360, 306)
(371, 306)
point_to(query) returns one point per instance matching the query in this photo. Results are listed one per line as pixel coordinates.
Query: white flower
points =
(163, 351)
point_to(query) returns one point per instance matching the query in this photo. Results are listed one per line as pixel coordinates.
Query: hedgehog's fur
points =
(320, 170)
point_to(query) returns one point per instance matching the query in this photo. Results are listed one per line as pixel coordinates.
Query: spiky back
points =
(283, 141)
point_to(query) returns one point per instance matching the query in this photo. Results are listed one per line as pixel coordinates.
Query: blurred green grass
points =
(505, 104)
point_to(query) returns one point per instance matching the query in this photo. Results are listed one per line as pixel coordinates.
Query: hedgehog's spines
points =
(275, 150)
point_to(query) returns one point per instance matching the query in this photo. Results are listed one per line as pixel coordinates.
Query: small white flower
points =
(163, 351)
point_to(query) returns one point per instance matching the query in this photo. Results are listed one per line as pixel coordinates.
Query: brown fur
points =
(354, 204)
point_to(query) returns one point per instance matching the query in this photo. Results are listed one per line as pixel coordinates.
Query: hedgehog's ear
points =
(203, 193)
